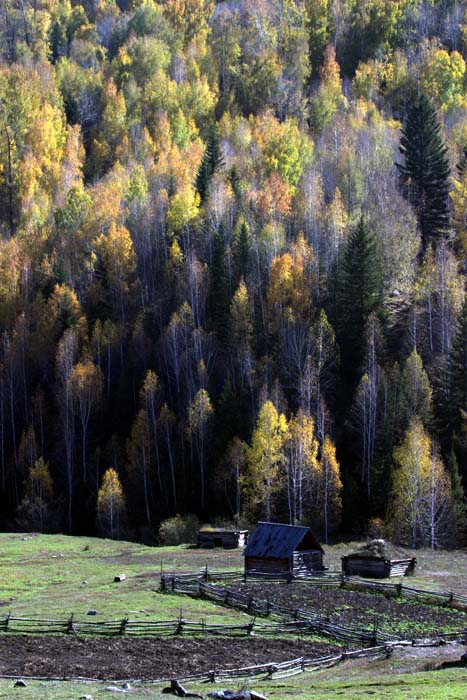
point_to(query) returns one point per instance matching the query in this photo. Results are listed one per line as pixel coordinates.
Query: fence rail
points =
(335, 579)
(151, 628)
(271, 671)
(320, 625)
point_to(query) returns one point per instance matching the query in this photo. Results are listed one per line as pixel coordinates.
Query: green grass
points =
(44, 576)
(433, 685)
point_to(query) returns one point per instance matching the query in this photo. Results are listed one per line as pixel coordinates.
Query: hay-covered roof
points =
(375, 549)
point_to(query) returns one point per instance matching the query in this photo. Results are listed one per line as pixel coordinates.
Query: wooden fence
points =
(334, 579)
(316, 623)
(270, 671)
(152, 628)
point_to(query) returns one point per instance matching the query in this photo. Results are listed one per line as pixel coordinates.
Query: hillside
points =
(232, 265)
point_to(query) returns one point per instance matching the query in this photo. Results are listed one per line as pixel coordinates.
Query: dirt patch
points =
(394, 615)
(143, 658)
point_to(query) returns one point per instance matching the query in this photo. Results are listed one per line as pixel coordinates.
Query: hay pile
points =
(375, 549)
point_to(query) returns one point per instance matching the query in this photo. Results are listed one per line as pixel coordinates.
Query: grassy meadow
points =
(49, 576)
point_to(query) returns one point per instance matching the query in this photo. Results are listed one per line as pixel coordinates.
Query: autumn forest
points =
(233, 254)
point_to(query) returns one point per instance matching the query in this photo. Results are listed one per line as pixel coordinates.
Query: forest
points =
(233, 252)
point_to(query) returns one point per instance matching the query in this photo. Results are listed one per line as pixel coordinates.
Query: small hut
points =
(373, 560)
(228, 539)
(274, 548)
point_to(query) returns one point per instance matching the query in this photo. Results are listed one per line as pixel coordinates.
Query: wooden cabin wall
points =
(267, 566)
(306, 561)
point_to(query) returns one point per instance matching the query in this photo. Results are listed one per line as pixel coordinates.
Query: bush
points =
(181, 529)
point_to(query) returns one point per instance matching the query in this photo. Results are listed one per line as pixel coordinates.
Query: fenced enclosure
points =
(319, 624)
(332, 579)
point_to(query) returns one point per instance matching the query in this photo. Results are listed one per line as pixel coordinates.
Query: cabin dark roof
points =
(277, 541)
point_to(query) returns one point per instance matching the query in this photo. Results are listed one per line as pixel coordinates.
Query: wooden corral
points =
(373, 561)
(275, 548)
(228, 539)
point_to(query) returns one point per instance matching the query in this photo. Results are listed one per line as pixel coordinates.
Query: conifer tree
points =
(462, 164)
(219, 297)
(458, 495)
(241, 252)
(425, 171)
(212, 161)
(458, 371)
(361, 293)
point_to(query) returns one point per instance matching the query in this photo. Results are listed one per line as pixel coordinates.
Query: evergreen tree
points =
(219, 296)
(235, 183)
(241, 252)
(361, 294)
(425, 172)
(212, 161)
(462, 164)
(458, 372)
(458, 495)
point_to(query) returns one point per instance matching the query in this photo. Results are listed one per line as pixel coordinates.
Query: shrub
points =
(181, 529)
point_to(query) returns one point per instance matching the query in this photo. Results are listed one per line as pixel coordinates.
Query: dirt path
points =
(143, 658)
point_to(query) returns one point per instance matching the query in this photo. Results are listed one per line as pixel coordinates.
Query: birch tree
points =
(329, 497)
(423, 507)
(111, 504)
(301, 466)
(86, 389)
(199, 414)
(266, 456)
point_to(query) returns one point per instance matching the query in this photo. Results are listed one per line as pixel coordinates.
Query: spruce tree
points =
(241, 253)
(212, 161)
(219, 293)
(361, 294)
(462, 164)
(458, 371)
(425, 172)
(458, 496)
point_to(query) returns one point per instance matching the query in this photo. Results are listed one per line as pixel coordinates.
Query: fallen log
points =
(177, 689)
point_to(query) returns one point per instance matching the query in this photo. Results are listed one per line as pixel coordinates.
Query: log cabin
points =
(228, 539)
(274, 548)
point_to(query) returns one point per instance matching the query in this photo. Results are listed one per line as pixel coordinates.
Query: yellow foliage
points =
(110, 503)
(289, 289)
(265, 457)
(183, 209)
(118, 256)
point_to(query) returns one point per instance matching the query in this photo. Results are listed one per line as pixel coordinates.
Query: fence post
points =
(399, 589)
(123, 625)
(7, 620)
(69, 627)
(375, 632)
(179, 629)
(451, 598)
